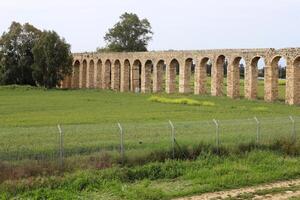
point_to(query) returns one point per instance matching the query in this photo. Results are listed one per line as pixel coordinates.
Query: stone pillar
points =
(67, 82)
(185, 75)
(217, 77)
(135, 76)
(125, 76)
(271, 80)
(292, 95)
(106, 75)
(251, 76)
(75, 76)
(115, 76)
(90, 75)
(233, 79)
(171, 77)
(158, 76)
(81, 76)
(146, 77)
(200, 76)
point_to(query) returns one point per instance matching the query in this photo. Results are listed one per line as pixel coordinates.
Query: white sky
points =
(177, 24)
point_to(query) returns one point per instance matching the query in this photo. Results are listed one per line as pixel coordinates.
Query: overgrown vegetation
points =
(160, 180)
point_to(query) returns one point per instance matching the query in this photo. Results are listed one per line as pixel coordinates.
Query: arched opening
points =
(99, 74)
(186, 78)
(261, 66)
(136, 76)
(84, 74)
(116, 76)
(125, 76)
(202, 76)
(172, 77)
(293, 82)
(107, 75)
(242, 76)
(75, 75)
(255, 82)
(236, 73)
(219, 70)
(159, 76)
(147, 81)
(90, 81)
(275, 79)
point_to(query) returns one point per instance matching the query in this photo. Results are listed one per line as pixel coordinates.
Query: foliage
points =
(29, 56)
(129, 34)
(16, 58)
(52, 59)
(166, 180)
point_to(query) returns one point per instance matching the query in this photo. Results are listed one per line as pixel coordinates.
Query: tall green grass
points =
(173, 178)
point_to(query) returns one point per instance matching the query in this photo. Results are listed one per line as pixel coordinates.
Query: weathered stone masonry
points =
(156, 72)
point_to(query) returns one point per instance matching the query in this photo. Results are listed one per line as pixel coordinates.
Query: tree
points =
(52, 59)
(16, 58)
(129, 34)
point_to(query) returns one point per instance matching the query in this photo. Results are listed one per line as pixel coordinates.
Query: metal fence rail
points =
(61, 142)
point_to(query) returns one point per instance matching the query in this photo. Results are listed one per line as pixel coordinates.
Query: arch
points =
(136, 71)
(271, 81)
(75, 74)
(116, 76)
(125, 76)
(83, 74)
(146, 78)
(218, 72)
(159, 74)
(172, 72)
(90, 78)
(98, 76)
(185, 84)
(234, 76)
(106, 78)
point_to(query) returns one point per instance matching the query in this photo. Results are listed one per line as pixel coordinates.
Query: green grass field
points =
(89, 121)
(25, 106)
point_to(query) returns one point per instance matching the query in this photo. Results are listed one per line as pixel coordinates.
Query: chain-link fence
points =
(82, 143)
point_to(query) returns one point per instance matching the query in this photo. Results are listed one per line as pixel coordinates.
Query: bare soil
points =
(276, 191)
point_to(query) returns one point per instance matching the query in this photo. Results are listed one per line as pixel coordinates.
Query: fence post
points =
(172, 138)
(257, 130)
(293, 129)
(217, 133)
(122, 150)
(61, 146)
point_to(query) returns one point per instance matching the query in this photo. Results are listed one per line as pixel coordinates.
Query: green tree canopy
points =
(129, 34)
(52, 59)
(16, 57)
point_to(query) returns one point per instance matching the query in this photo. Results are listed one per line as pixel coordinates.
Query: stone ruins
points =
(157, 72)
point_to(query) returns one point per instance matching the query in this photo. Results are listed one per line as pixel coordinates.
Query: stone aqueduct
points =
(156, 71)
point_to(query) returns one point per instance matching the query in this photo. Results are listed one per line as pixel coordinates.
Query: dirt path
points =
(276, 191)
